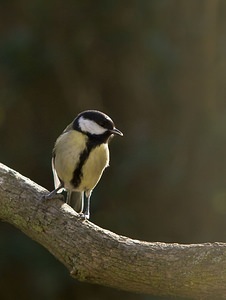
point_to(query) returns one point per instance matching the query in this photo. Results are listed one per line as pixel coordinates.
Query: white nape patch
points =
(91, 127)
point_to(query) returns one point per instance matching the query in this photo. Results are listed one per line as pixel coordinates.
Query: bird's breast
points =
(94, 166)
(78, 164)
(67, 154)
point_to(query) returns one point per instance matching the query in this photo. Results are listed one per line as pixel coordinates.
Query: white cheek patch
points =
(90, 126)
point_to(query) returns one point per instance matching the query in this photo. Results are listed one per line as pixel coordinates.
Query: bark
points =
(96, 255)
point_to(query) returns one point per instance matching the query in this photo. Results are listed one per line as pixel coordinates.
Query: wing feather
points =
(56, 179)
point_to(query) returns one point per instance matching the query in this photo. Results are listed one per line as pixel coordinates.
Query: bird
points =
(79, 157)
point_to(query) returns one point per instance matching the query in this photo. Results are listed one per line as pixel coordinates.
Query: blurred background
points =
(158, 68)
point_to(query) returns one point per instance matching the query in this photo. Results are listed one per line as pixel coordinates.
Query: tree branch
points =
(99, 256)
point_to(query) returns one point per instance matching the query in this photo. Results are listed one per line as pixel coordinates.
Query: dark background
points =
(158, 68)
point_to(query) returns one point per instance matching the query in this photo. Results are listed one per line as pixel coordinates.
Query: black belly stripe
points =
(77, 174)
(92, 142)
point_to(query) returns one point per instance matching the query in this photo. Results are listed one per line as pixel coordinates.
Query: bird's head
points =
(95, 124)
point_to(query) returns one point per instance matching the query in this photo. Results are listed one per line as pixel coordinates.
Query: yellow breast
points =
(93, 168)
(68, 149)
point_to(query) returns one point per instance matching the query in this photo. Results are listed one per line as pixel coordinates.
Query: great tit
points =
(80, 156)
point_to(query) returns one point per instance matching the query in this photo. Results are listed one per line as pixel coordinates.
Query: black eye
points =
(102, 123)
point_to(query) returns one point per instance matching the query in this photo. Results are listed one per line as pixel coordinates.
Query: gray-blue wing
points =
(75, 200)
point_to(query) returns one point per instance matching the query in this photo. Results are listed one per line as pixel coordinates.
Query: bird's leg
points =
(87, 211)
(53, 193)
(82, 206)
(86, 214)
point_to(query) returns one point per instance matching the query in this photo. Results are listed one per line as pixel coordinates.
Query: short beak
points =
(116, 131)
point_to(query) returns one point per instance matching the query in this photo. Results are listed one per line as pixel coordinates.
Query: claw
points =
(84, 216)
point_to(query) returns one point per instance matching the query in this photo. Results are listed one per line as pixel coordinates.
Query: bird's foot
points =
(51, 196)
(84, 216)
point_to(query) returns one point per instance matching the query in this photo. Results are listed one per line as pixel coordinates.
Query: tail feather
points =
(75, 200)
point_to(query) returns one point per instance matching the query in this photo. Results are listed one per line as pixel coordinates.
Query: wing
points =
(56, 179)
